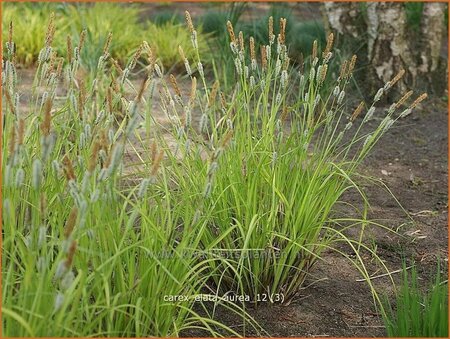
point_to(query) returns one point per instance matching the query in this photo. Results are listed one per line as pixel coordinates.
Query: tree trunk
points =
(391, 45)
(341, 17)
(372, 25)
(390, 52)
(430, 66)
(347, 23)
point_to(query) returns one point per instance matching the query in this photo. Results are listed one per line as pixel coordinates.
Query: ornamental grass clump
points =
(270, 195)
(241, 201)
(82, 255)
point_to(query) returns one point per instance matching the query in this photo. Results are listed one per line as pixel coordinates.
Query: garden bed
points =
(414, 155)
(412, 161)
(179, 200)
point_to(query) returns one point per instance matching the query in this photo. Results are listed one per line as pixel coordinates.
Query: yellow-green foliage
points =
(30, 21)
(166, 39)
(99, 20)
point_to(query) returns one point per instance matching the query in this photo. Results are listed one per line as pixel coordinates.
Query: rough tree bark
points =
(430, 67)
(341, 17)
(389, 47)
(346, 21)
(372, 25)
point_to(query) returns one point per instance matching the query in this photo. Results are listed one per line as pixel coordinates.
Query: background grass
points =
(416, 313)
(127, 29)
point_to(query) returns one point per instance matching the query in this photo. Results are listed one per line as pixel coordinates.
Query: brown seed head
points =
(231, 31)
(103, 140)
(252, 49)
(314, 50)
(136, 56)
(94, 156)
(343, 72)
(189, 21)
(69, 49)
(50, 30)
(107, 43)
(68, 168)
(82, 39)
(174, 83)
(59, 66)
(9, 101)
(70, 223)
(323, 73)
(81, 98)
(223, 102)
(51, 64)
(271, 36)
(43, 206)
(263, 57)
(282, 31)
(180, 50)
(227, 139)
(162, 97)
(151, 57)
(399, 75)
(46, 122)
(117, 66)
(357, 111)
(241, 41)
(279, 39)
(284, 113)
(286, 62)
(153, 151)
(244, 167)
(403, 99)
(213, 94)
(107, 162)
(351, 66)
(421, 98)
(157, 163)
(146, 46)
(329, 45)
(21, 132)
(71, 254)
